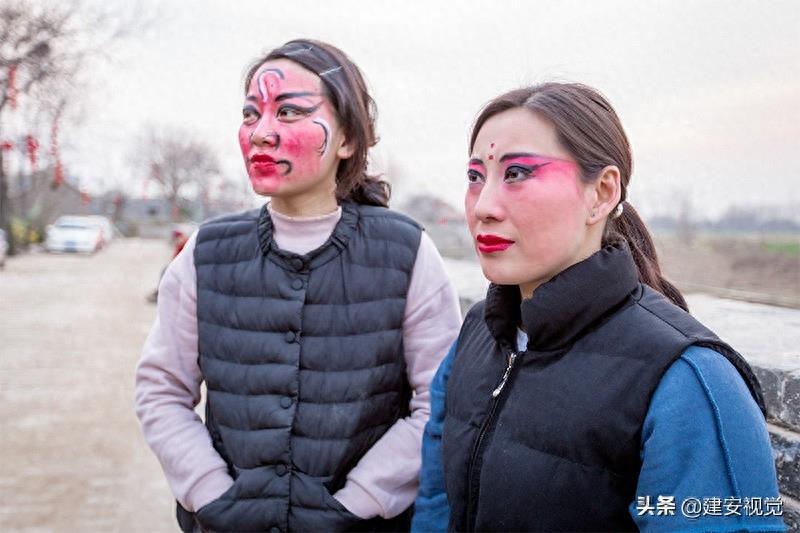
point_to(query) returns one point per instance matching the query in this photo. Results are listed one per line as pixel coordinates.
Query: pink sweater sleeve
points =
(168, 389)
(385, 481)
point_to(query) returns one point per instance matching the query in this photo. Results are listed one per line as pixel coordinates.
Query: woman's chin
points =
(265, 185)
(498, 275)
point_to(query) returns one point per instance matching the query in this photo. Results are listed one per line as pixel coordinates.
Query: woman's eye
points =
(249, 116)
(290, 113)
(473, 176)
(516, 173)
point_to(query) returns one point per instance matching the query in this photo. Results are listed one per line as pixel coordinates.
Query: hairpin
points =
(330, 71)
(300, 51)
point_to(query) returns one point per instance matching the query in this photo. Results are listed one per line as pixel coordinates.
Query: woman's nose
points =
(264, 135)
(489, 204)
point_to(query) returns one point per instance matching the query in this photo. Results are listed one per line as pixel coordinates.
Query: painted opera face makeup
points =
(526, 205)
(289, 134)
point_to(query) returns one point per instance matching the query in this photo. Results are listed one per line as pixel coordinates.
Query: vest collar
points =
(565, 306)
(332, 247)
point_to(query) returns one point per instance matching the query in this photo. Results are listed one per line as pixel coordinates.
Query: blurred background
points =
(118, 123)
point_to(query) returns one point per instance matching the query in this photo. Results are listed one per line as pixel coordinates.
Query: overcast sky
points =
(709, 92)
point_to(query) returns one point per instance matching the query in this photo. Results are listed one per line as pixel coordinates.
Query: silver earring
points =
(618, 210)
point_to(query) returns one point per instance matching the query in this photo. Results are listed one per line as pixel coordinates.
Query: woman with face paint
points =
(581, 395)
(316, 324)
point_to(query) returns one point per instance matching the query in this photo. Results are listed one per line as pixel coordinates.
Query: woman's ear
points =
(607, 189)
(346, 149)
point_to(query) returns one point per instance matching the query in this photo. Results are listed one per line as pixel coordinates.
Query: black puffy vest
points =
(302, 356)
(557, 447)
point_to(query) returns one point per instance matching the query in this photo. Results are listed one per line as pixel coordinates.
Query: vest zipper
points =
(512, 357)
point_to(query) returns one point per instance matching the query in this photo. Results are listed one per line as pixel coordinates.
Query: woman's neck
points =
(592, 246)
(300, 235)
(304, 205)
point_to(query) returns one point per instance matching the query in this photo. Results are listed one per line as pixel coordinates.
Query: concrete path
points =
(71, 328)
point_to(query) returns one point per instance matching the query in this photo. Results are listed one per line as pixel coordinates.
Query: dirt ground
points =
(755, 269)
(71, 328)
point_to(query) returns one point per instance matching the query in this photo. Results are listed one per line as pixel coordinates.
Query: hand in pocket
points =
(217, 515)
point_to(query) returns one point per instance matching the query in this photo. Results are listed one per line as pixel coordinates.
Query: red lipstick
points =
(262, 158)
(489, 244)
(263, 165)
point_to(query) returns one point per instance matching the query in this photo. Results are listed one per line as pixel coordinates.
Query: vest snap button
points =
(281, 470)
(274, 529)
(290, 336)
(297, 284)
(297, 263)
(286, 402)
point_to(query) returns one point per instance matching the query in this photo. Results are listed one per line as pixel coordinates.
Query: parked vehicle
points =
(74, 234)
(105, 226)
(3, 248)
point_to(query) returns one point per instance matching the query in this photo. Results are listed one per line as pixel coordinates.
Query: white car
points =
(74, 234)
(105, 227)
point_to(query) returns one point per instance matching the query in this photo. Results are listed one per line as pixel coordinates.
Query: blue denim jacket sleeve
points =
(431, 510)
(704, 439)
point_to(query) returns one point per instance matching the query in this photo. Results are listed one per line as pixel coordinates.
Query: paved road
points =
(71, 328)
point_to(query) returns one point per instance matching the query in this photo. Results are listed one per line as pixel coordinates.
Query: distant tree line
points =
(735, 219)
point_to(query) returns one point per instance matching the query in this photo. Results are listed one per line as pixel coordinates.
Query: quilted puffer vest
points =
(303, 360)
(549, 439)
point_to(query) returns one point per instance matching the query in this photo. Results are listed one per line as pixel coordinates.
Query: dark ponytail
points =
(355, 110)
(591, 131)
(630, 227)
(371, 190)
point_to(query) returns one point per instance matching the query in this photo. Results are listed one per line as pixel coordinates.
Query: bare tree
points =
(182, 165)
(44, 50)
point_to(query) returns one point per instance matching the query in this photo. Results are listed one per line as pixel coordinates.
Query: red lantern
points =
(58, 173)
(32, 147)
(6, 146)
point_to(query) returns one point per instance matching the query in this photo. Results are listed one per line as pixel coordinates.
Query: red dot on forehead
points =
(491, 157)
(491, 145)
